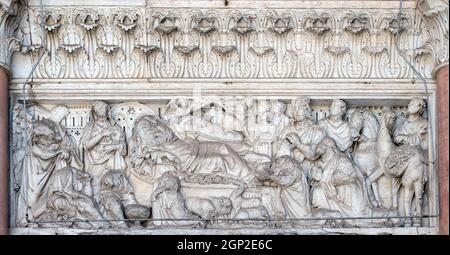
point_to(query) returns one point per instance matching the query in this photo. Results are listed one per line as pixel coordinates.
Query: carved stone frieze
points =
(221, 162)
(176, 118)
(240, 43)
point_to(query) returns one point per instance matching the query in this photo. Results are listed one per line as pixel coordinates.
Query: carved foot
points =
(374, 202)
(334, 223)
(201, 224)
(408, 223)
(378, 204)
(417, 222)
(396, 222)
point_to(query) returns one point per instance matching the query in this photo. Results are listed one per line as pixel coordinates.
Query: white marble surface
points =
(139, 54)
(269, 231)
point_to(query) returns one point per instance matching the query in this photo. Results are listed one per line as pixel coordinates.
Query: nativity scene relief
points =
(222, 162)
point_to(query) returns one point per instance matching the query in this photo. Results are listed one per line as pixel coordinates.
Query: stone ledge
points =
(249, 231)
(304, 4)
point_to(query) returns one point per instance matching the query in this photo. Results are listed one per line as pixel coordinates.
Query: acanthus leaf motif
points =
(127, 21)
(357, 24)
(89, 21)
(70, 39)
(243, 25)
(318, 25)
(205, 25)
(167, 25)
(52, 21)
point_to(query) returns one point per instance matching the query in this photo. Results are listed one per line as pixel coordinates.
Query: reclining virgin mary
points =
(153, 142)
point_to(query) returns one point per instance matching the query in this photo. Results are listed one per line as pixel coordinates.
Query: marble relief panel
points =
(222, 162)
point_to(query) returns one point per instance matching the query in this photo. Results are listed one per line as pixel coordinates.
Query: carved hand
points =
(316, 174)
(293, 138)
(401, 139)
(170, 157)
(106, 132)
(65, 153)
(112, 147)
(363, 138)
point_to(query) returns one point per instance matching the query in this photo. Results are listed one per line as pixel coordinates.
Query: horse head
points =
(365, 123)
(387, 118)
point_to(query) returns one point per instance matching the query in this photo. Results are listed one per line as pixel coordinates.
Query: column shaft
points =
(4, 155)
(443, 149)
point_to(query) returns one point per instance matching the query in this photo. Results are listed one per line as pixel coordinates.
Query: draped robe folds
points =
(209, 157)
(76, 187)
(263, 136)
(413, 132)
(38, 168)
(340, 188)
(167, 203)
(195, 127)
(339, 132)
(294, 194)
(282, 123)
(99, 159)
(308, 132)
(153, 139)
(170, 205)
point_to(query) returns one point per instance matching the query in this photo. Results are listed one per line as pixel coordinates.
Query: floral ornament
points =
(261, 51)
(224, 44)
(148, 44)
(358, 24)
(432, 7)
(425, 49)
(281, 25)
(374, 51)
(70, 39)
(187, 43)
(337, 50)
(318, 25)
(52, 21)
(396, 26)
(186, 49)
(418, 52)
(224, 50)
(89, 21)
(13, 45)
(259, 45)
(147, 49)
(109, 41)
(204, 25)
(243, 25)
(28, 40)
(167, 25)
(127, 21)
(30, 48)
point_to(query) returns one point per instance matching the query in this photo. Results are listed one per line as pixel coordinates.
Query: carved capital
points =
(9, 16)
(438, 68)
(435, 26)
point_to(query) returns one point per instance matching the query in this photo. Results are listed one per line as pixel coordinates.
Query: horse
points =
(403, 164)
(365, 126)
